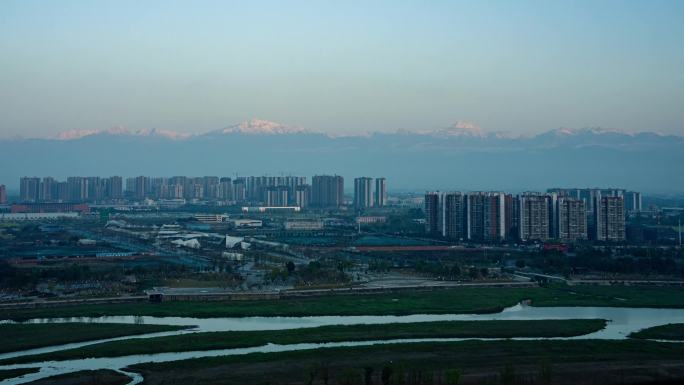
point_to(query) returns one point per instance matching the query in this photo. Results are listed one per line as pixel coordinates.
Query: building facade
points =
(609, 219)
(380, 192)
(327, 191)
(29, 189)
(432, 214)
(302, 195)
(277, 196)
(363, 192)
(572, 219)
(534, 217)
(455, 216)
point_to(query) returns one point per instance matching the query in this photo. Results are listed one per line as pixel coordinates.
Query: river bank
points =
(325, 334)
(443, 301)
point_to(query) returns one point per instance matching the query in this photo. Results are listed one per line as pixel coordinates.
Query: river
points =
(622, 322)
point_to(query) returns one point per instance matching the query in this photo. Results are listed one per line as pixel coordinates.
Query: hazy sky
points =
(520, 66)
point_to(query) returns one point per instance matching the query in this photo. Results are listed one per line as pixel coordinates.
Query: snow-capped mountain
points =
(261, 127)
(462, 156)
(121, 131)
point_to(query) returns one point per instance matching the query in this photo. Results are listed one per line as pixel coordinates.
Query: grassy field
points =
(227, 340)
(674, 332)
(11, 373)
(479, 362)
(15, 337)
(86, 377)
(460, 300)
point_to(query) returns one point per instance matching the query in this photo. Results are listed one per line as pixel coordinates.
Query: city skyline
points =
(341, 192)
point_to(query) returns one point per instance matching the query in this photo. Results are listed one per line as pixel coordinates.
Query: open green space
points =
(241, 339)
(11, 373)
(532, 362)
(16, 337)
(458, 300)
(674, 332)
(86, 377)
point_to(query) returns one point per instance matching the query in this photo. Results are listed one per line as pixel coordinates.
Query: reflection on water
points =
(623, 321)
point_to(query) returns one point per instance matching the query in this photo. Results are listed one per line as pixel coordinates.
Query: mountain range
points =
(459, 157)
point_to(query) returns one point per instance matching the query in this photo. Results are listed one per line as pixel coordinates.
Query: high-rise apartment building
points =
(29, 189)
(47, 189)
(512, 217)
(380, 192)
(454, 212)
(327, 191)
(552, 201)
(256, 186)
(486, 216)
(433, 216)
(277, 196)
(142, 187)
(95, 189)
(114, 187)
(302, 195)
(239, 190)
(363, 192)
(225, 189)
(572, 219)
(632, 201)
(77, 189)
(3, 194)
(534, 217)
(62, 191)
(609, 219)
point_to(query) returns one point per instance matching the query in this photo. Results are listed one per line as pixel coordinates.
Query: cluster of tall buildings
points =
(325, 191)
(368, 194)
(74, 189)
(497, 216)
(632, 198)
(274, 189)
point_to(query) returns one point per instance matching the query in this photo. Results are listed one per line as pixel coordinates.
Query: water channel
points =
(622, 322)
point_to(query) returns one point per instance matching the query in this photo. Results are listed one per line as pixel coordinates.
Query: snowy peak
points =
(122, 131)
(74, 134)
(262, 127)
(459, 129)
(566, 132)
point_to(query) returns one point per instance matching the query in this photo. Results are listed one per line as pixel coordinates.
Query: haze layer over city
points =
(313, 192)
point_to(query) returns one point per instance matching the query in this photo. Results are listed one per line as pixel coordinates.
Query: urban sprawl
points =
(566, 215)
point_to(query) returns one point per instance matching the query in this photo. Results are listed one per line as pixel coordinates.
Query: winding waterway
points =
(622, 322)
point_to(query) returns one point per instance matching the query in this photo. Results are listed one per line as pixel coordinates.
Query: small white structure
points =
(232, 256)
(303, 225)
(370, 219)
(35, 216)
(264, 209)
(190, 243)
(232, 241)
(246, 223)
(210, 218)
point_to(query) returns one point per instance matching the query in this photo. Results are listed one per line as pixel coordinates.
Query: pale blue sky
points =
(520, 66)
